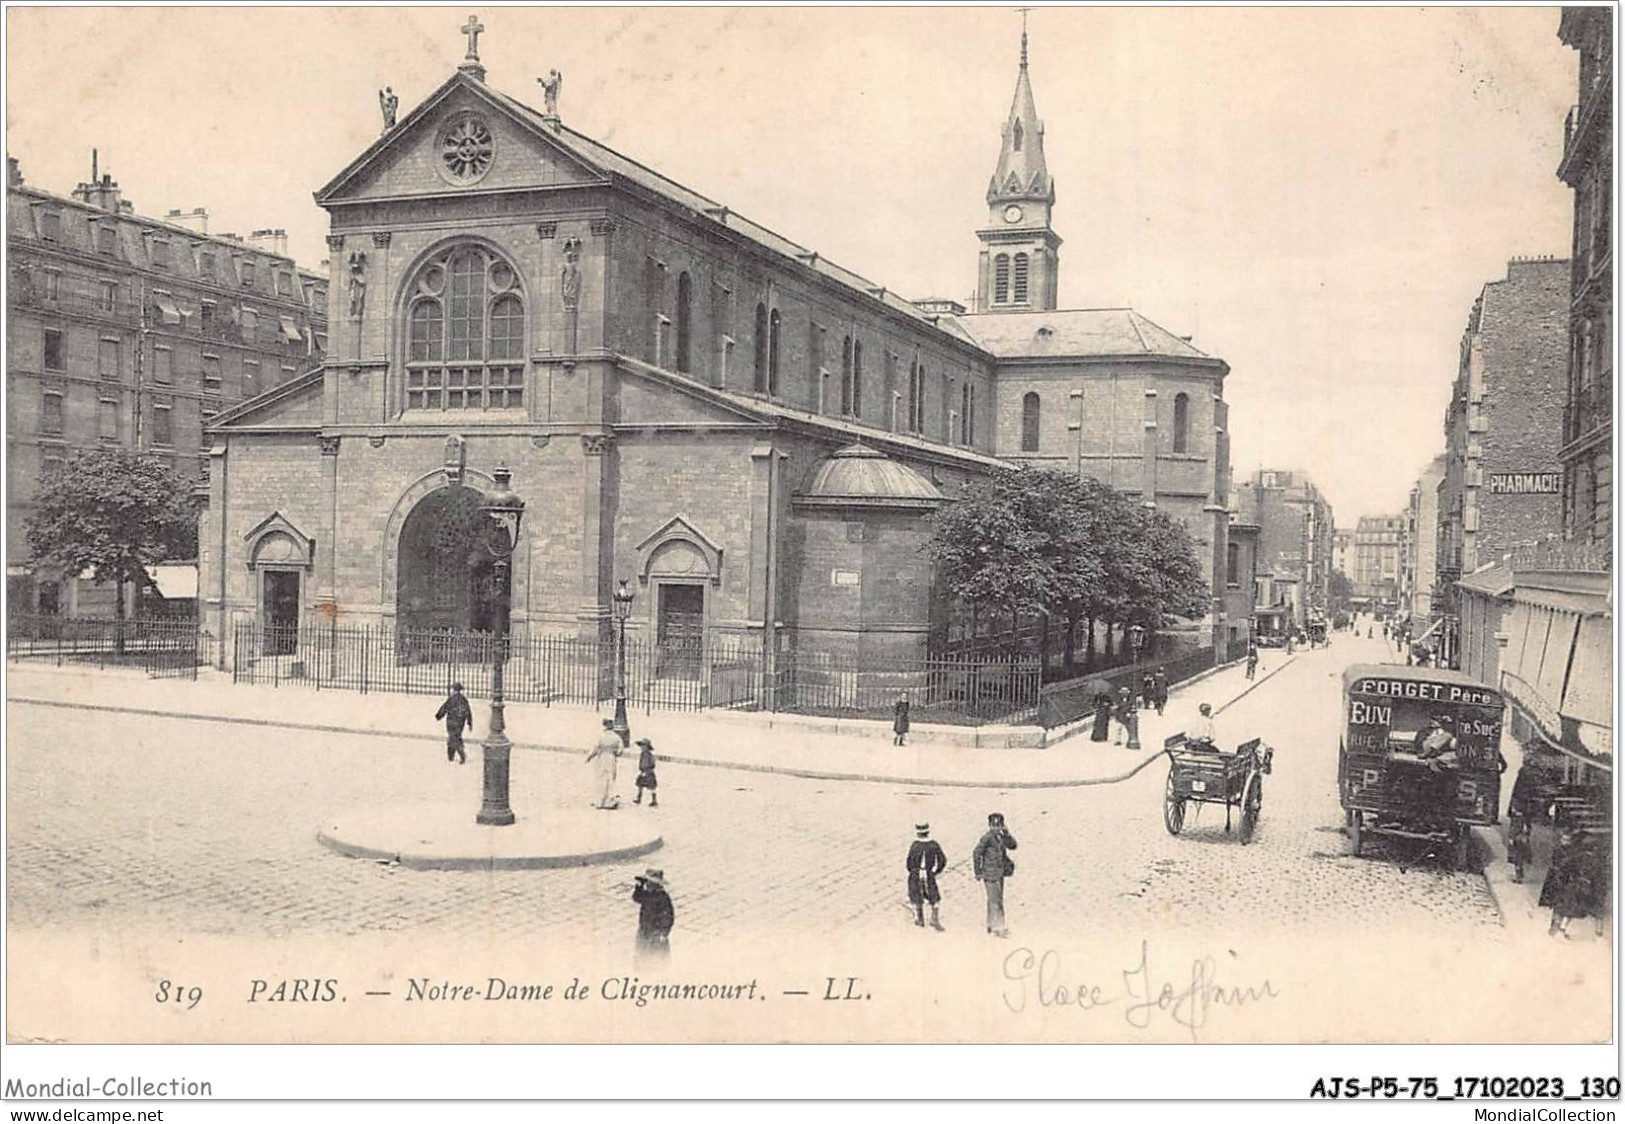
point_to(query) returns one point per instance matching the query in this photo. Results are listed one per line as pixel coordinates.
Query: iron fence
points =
(1062, 703)
(691, 673)
(164, 647)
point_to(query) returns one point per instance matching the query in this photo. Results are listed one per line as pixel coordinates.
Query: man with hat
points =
(925, 862)
(457, 713)
(646, 773)
(655, 915)
(991, 864)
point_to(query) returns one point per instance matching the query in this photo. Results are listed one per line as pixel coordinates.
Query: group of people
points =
(991, 864)
(604, 756)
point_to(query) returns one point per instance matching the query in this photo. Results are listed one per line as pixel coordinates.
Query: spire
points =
(1021, 172)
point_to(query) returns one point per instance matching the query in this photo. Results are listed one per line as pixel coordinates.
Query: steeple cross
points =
(472, 29)
(1024, 12)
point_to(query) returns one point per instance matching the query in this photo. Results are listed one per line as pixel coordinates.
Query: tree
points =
(1338, 591)
(115, 512)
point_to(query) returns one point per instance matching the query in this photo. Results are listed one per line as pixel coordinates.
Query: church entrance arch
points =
(445, 572)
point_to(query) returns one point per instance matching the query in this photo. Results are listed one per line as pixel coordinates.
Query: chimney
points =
(197, 219)
(14, 174)
(101, 191)
(271, 241)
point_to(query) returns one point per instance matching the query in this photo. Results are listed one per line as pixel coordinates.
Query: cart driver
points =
(1439, 748)
(1202, 729)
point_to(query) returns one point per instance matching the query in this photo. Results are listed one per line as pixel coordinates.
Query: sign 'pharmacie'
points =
(1526, 483)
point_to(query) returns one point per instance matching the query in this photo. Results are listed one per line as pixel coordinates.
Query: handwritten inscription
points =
(1139, 992)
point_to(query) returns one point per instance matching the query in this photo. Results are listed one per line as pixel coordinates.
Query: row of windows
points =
(1032, 407)
(908, 415)
(160, 252)
(109, 361)
(52, 408)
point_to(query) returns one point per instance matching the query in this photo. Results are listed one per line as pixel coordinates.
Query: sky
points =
(1317, 196)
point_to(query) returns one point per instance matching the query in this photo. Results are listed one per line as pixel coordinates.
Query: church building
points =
(750, 436)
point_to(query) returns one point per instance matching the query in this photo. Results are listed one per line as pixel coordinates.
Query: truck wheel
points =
(1356, 833)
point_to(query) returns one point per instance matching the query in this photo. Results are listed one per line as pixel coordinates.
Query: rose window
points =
(466, 148)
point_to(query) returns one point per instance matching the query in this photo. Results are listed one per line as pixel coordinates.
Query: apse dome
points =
(858, 476)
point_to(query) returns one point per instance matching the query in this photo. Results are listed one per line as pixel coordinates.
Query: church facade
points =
(748, 435)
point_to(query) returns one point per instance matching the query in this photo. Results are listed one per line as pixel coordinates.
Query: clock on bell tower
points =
(1020, 256)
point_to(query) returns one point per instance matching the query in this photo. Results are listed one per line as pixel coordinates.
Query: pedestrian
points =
(991, 864)
(457, 713)
(606, 753)
(1103, 713)
(1129, 716)
(1120, 712)
(1252, 662)
(1569, 890)
(646, 773)
(1160, 690)
(1148, 691)
(925, 862)
(899, 722)
(655, 916)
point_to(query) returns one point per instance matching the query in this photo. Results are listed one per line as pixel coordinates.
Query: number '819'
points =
(189, 996)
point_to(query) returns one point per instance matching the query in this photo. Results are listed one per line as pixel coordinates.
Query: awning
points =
(174, 582)
(168, 313)
(1590, 697)
(1585, 604)
(290, 331)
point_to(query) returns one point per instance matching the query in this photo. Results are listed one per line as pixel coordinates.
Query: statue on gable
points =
(358, 283)
(550, 93)
(456, 459)
(387, 101)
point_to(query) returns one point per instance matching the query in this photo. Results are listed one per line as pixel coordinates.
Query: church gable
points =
(297, 402)
(461, 138)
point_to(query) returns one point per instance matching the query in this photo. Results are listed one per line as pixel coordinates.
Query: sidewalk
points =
(1519, 902)
(794, 745)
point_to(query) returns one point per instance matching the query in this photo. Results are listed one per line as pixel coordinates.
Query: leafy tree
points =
(1338, 591)
(116, 512)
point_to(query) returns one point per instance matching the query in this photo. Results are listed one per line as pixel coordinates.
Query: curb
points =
(1487, 842)
(675, 759)
(1257, 683)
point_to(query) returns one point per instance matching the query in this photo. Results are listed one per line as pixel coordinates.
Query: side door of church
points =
(280, 612)
(682, 631)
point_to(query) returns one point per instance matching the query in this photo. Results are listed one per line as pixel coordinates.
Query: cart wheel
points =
(1173, 809)
(1463, 852)
(1250, 804)
(1356, 833)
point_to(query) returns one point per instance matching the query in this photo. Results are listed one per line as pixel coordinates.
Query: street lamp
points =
(623, 609)
(1136, 637)
(503, 511)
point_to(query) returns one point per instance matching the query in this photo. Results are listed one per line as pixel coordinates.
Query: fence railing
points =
(162, 646)
(1062, 703)
(691, 673)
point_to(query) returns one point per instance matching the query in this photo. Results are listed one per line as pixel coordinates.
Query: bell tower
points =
(1020, 258)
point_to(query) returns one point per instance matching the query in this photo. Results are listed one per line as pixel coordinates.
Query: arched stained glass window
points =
(1029, 422)
(1182, 423)
(773, 352)
(465, 333)
(760, 384)
(685, 319)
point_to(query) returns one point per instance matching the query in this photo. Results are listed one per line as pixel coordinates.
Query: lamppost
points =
(1136, 637)
(623, 609)
(503, 511)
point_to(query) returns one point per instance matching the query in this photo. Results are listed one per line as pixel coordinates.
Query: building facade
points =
(1377, 551)
(1586, 454)
(1418, 544)
(749, 435)
(134, 333)
(1502, 479)
(1295, 531)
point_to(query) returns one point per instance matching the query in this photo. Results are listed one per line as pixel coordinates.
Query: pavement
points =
(790, 745)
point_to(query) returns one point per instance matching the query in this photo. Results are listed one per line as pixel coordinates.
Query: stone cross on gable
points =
(472, 29)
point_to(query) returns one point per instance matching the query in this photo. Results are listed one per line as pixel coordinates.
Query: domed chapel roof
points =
(858, 476)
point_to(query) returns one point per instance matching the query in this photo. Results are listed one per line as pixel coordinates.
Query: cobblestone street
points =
(166, 826)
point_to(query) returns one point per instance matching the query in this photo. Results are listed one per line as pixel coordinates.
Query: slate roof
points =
(1074, 331)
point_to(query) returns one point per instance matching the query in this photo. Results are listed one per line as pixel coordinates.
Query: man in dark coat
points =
(1103, 702)
(1252, 662)
(899, 724)
(655, 916)
(991, 864)
(1128, 719)
(455, 710)
(925, 862)
(1159, 689)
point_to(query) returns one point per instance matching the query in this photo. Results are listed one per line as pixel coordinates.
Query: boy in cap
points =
(646, 773)
(925, 862)
(455, 710)
(655, 915)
